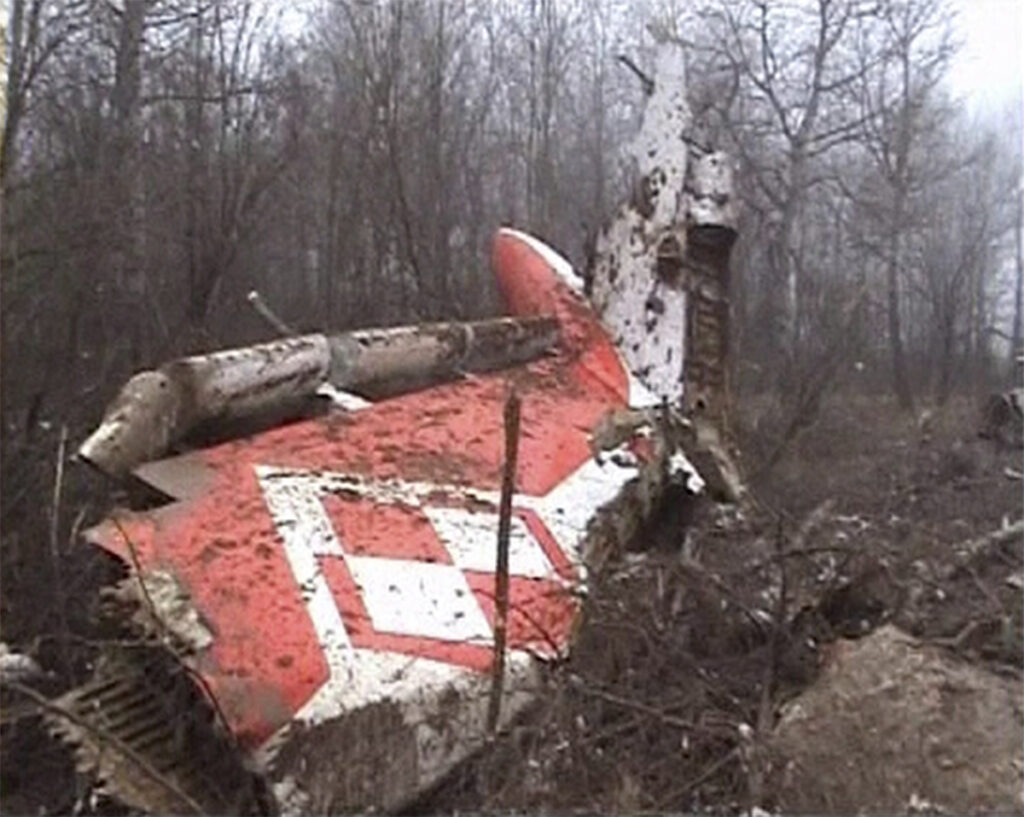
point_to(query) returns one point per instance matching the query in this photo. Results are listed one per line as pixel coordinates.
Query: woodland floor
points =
(679, 656)
(692, 640)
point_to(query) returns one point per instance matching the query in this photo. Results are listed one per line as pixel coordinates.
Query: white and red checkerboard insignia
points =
(408, 567)
(345, 560)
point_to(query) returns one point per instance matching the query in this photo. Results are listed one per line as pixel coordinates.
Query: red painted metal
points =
(223, 547)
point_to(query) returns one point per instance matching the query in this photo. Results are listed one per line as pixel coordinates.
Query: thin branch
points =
(645, 80)
(269, 315)
(711, 769)
(634, 705)
(965, 552)
(55, 554)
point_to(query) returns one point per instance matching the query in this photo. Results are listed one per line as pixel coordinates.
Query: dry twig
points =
(269, 315)
(55, 554)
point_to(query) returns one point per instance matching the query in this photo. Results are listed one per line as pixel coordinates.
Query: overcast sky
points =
(988, 70)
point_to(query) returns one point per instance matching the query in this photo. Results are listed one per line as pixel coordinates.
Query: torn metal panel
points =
(344, 564)
(141, 727)
(157, 409)
(386, 754)
(156, 603)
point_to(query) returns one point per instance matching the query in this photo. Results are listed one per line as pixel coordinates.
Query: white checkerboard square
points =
(472, 540)
(419, 599)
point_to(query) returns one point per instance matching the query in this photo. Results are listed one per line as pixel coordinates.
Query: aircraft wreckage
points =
(320, 592)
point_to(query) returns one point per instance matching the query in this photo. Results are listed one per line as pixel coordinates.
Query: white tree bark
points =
(646, 311)
(660, 274)
(639, 278)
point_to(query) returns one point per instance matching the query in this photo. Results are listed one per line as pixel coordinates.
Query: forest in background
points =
(350, 160)
(162, 158)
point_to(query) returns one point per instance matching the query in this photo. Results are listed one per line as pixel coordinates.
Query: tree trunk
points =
(948, 340)
(194, 152)
(900, 379)
(124, 165)
(900, 182)
(15, 74)
(1018, 291)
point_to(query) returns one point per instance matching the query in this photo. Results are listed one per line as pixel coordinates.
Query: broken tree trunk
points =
(157, 409)
(659, 278)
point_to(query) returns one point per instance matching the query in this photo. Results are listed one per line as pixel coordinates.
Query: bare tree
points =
(36, 32)
(1018, 278)
(793, 63)
(895, 94)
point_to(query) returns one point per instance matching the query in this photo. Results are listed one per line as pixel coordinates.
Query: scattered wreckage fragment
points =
(326, 587)
(329, 583)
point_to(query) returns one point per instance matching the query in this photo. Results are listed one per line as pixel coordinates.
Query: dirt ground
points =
(692, 642)
(679, 669)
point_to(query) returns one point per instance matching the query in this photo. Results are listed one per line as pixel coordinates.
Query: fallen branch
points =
(636, 706)
(697, 571)
(709, 771)
(811, 523)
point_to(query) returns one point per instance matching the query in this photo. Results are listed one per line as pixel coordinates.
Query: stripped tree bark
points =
(636, 280)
